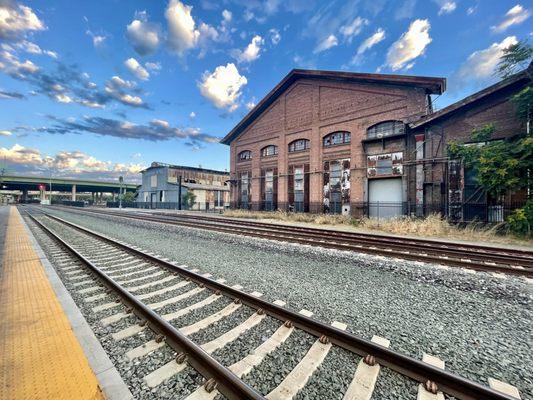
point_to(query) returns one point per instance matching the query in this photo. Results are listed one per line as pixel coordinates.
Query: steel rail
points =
(227, 382)
(526, 254)
(278, 234)
(458, 250)
(482, 253)
(447, 382)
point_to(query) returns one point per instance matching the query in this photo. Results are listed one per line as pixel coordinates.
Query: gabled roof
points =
(518, 78)
(431, 84)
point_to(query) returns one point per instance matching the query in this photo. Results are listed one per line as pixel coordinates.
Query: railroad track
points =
(477, 257)
(148, 299)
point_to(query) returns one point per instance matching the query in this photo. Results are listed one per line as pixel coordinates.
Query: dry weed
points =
(431, 226)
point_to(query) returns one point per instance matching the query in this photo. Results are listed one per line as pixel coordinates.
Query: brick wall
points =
(496, 109)
(310, 109)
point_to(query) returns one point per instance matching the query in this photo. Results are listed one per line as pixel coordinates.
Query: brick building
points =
(437, 182)
(354, 143)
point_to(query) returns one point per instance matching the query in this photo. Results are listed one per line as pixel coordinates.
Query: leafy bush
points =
(128, 197)
(521, 220)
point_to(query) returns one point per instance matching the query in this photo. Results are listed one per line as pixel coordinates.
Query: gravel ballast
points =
(480, 325)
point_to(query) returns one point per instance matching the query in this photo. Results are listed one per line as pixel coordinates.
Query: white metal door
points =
(385, 197)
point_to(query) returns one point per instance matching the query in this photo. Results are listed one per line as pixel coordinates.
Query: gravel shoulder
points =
(480, 325)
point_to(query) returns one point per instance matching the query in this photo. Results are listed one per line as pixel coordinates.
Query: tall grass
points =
(431, 226)
(321, 219)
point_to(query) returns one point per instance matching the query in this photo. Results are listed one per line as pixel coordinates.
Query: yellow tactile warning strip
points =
(40, 357)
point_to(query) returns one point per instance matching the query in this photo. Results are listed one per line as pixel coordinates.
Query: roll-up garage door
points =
(385, 197)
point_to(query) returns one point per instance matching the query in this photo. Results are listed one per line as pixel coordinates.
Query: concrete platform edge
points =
(110, 381)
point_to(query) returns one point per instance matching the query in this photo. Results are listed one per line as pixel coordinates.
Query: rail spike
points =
(181, 358)
(431, 387)
(210, 385)
(369, 360)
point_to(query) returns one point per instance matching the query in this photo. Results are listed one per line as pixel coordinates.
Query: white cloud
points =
(207, 32)
(98, 40)
(227, 15)
(327, 43)
(410, 45)
(17, 20)
(481, 64)
(21, 155)
(354, 28)
(30, 47)
(160, 123)
(250, 105)
(275, 36)
(248, 15)
(446, 7)
(471, 10)
(66, 164)
(5, 133)
(371, 41)
(131, 100)
(33, 48)
(182, 32)
(63, 98)
(271, 6)
(136, 69)
(251, 52)
(119, 82)
(192, 115)
(223, 86)
(514, 16)
(11, 65)
(143, 35)
(116, 86)
(153, 66)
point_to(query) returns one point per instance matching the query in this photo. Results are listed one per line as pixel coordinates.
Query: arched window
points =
(336, 138)
(298, 145)
(245, 155)
(268, 151)
(387, 128)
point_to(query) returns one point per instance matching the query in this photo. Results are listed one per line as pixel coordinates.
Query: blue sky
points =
(98, 89)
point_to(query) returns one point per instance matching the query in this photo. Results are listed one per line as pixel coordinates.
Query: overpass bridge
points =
(74, 186)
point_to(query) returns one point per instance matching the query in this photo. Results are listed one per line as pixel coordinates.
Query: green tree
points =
(514, 58)
(524, 104)
(500, 165)
(189, 198)
(128, 197)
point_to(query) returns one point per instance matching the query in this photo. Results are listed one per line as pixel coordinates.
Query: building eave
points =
(432, 85)
(468, 101)
(156, 164)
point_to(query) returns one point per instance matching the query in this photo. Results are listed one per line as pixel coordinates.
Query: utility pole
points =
(120, 180)
(179, 192)
(2, 172)
(50, 194)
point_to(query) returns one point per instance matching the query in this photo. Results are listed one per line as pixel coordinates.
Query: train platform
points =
(42, 357)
